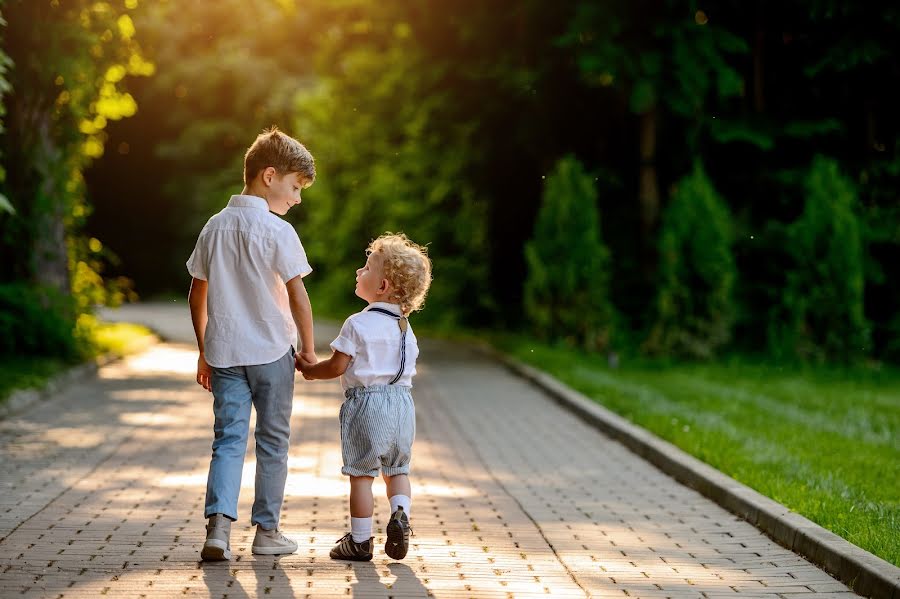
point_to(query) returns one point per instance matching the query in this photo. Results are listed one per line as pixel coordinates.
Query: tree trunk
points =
(648, 190)
(759, 46)
(51, 260)
(49, 257)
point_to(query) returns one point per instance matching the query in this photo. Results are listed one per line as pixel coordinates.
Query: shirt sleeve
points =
(347, 340)
(196, 264)
(290, 257)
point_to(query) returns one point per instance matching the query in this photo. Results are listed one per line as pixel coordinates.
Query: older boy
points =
(375, 356)
(247, 303)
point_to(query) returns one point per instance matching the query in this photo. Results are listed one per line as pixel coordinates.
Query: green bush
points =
(566, 289)
(36, 322)
(695, 308)
(822, 312)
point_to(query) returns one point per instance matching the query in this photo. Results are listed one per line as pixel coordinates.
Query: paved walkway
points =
(102, 487)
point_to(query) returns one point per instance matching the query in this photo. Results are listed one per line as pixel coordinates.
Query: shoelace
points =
(275, 535)
(349, 535)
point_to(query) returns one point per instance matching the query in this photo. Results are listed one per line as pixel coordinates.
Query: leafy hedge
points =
(36, 322)
(695, 303)
(567, 288)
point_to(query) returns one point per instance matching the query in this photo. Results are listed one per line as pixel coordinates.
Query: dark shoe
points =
(217, 547)
(398, 530)
(347, 548)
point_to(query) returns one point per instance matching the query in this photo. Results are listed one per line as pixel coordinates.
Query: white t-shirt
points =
(246, 253)
(372, 341)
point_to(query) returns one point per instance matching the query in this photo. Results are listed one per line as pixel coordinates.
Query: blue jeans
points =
(270, 388)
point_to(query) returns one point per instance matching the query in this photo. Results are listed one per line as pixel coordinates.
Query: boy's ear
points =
(268, 174)
(385, 287)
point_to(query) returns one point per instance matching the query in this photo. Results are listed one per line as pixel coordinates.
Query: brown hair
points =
(282, 152)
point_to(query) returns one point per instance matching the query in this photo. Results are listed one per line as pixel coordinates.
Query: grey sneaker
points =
(347, 548)
(217, 546)
(398, 530)
(272, 542)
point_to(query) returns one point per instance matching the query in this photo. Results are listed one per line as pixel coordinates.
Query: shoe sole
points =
(215, 551)
(273, 550)
(396, 545)
(360, 558)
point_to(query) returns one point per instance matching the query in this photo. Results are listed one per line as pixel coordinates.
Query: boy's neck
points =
(254, 190)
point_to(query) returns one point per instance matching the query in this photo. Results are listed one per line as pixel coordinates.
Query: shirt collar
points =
(394, 308)
(247, 201)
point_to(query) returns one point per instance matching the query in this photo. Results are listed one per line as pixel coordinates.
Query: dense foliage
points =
(697, 274)
(823, 301)
(446, 120)
(66, 67)
(567, 289)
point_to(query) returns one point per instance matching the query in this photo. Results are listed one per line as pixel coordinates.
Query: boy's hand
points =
(309, 357)
(204, 372)
(303, 366)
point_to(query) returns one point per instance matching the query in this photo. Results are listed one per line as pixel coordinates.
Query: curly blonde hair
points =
(407, 267)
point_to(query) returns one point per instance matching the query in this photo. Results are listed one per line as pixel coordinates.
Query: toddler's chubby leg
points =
(398, 485)
(357, 544)
(362, 503)
(398, 529)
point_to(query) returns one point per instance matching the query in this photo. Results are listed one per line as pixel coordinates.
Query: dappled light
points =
(169, 360)
(486, 521)
(674, 223)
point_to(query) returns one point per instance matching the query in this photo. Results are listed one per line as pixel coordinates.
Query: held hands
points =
(203, 373)
(303, 361)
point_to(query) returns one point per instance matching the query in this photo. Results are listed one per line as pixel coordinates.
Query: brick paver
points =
(101, 493)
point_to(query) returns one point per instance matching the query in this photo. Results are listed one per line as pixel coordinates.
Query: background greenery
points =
(743, 156)
(621, 179)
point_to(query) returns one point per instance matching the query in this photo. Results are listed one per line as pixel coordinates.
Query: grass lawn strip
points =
(825, 445)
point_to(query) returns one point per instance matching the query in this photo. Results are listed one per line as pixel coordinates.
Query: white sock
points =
(401, 501)
(361, 529)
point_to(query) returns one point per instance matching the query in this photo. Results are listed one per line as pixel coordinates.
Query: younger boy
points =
(375, 356)
(247, 302)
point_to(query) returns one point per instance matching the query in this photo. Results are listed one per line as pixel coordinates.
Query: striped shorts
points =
(378, 426)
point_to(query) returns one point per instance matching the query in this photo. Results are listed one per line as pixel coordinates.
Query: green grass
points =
(823, 442)
(32, 372)
(26, 373)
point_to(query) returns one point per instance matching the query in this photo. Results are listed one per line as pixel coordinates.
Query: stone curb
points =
(865, 573)
(22, 399)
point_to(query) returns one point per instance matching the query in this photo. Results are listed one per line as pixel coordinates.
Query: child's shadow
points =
(368, 581)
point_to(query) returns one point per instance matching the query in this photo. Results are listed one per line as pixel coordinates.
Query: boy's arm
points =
(331, 368)
(301, 310)
(199, 317)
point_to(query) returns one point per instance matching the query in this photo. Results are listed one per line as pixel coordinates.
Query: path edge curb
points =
(22, 399)
(860, 570)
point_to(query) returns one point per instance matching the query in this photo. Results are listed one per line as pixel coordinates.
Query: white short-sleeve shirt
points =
(372, 340)
(246, 254)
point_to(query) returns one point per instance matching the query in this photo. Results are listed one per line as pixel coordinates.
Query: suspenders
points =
(402, 322)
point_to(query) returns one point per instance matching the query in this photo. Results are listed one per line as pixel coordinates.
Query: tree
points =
(70, 63)
(661, 57)
(391, 156)
(218, 84)
(823, 302)
(5, 64)
(695, 304)
(566, 291)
